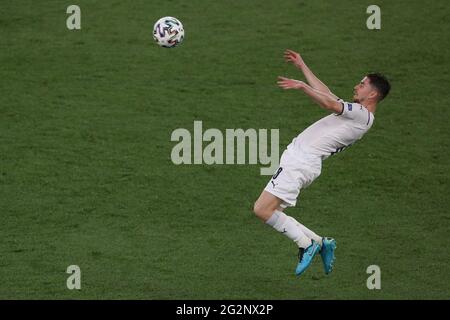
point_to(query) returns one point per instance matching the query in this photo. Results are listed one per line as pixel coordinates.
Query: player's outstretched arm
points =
(296, 59)
(324, 100)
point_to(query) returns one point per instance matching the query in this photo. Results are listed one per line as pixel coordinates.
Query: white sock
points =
(290, 227)
(309, 233)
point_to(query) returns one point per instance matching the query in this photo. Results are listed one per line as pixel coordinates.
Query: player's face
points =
(362, 90)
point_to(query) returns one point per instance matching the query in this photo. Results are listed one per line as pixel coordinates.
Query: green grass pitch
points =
(86, 176)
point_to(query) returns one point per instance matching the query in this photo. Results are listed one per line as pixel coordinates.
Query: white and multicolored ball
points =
(168, 32)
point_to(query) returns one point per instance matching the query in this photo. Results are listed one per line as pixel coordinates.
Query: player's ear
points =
(374, 94)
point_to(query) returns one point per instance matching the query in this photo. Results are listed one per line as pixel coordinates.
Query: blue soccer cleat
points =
(327, 254)
(306, 256)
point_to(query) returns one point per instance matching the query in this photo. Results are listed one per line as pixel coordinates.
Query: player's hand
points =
(287, 83)
(294, 57)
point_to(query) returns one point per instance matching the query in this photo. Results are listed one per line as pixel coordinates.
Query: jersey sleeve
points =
(355, 111)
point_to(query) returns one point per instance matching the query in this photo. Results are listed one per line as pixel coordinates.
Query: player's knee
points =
(260, 210)
(256, 208)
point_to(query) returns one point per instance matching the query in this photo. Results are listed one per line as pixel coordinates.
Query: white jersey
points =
(334, 132)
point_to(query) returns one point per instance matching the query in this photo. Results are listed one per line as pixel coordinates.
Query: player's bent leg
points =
(266, 205)
(266, 209)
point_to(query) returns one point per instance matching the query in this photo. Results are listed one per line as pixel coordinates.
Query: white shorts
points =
(297, 171)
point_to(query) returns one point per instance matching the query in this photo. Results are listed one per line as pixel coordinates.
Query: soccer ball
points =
(168, 32)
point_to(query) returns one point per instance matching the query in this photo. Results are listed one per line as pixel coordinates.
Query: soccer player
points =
(301, 162)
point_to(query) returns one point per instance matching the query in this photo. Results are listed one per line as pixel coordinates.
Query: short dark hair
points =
(380, 83)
